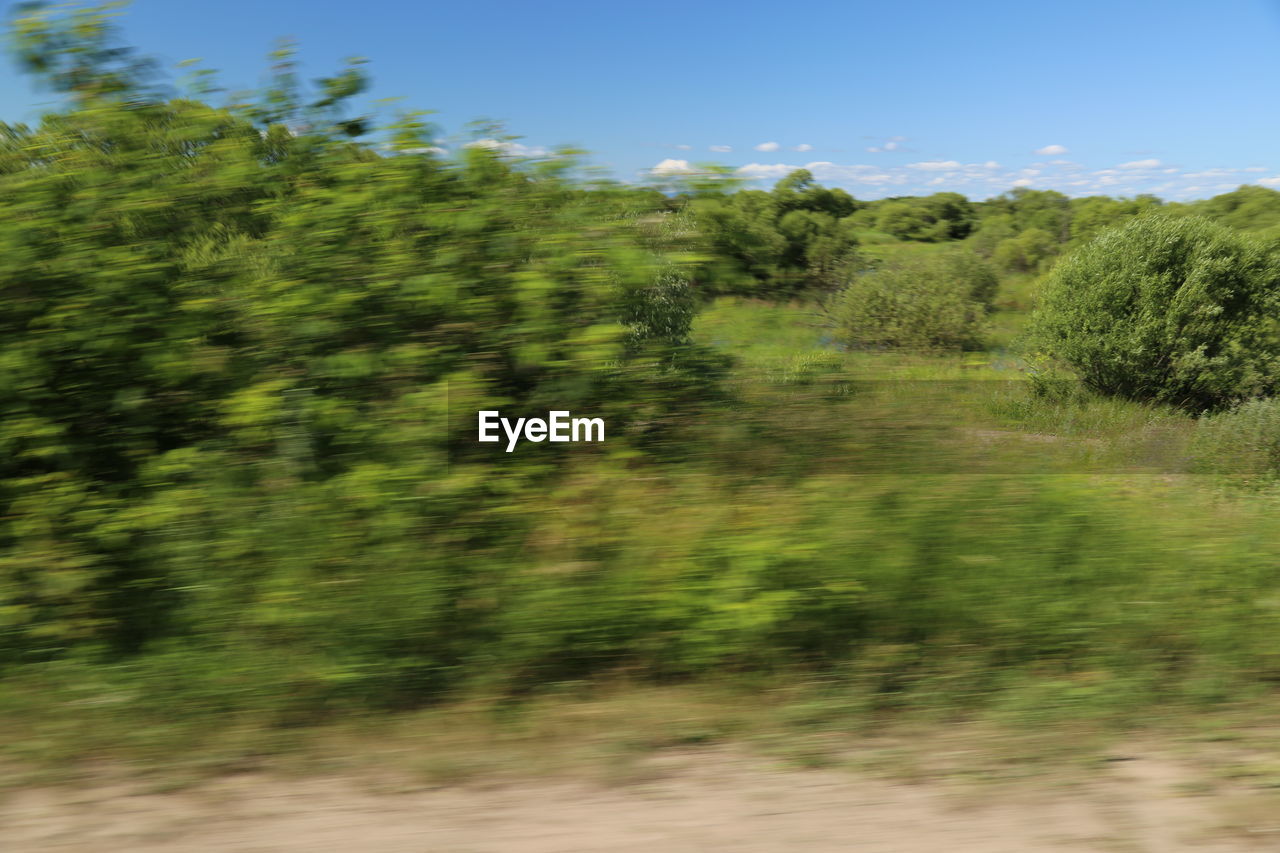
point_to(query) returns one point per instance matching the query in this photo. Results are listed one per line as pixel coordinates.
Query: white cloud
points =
(827, 172)
(804, 146)
(512, 149)
(1052, 150)
(684, 147)
(1208, 174)
(892, 144)
(672, 167)
(984, 179)
(766, 170)
(722, 149)
(768, 146)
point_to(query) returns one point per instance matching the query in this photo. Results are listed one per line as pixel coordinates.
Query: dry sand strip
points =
(703, 802)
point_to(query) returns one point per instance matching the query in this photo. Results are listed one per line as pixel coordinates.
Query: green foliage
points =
(77, 53)
(933, 302)
(797, 237)
(1244, 440)
(1047, 210)
(992, 230)
(1028, 252)
(240, 350)
(941, 216)
(239, 322)
(1249, 208)
(1090, 216)
(1176, 310)
(903, 220)
(973, 272)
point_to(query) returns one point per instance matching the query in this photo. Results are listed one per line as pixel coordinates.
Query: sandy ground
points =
(708, 801)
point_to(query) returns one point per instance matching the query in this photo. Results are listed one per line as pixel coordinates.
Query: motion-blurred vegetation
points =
(232, 337)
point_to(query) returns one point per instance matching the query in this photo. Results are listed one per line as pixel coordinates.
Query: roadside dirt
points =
(708, 800)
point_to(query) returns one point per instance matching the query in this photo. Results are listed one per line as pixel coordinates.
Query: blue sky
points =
(891, 98)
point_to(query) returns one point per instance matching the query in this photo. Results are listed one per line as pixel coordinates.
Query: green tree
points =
(1091, 215)
(1028, 252)
(1176, 310)
(244, 327)
(941, 216)
(904, 220)
(796, 237)
(1047, 210)
(1249, 208)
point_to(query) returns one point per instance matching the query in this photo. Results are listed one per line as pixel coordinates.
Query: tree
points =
(244, 327)
(904, 220)
(1249, 208)
(1047, 210)
(1091, 215)
(942, 216)
(780, 242)
(1175, 310)
(1027, 252)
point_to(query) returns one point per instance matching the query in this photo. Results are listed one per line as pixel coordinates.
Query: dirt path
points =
(709, 801)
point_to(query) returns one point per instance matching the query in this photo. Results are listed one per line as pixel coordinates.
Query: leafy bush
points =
(1177, 310)
(935, 302)
(245, 321)
(971, 271)
(990, 233)
(1028, 252)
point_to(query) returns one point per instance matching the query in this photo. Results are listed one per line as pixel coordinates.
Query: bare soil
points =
(705, 800)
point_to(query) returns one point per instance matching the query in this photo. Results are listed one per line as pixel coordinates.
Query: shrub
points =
(937, 302)
(1175, 310)
(993, 231)
(1028, 252)
(971, 271)
(1244, 440)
